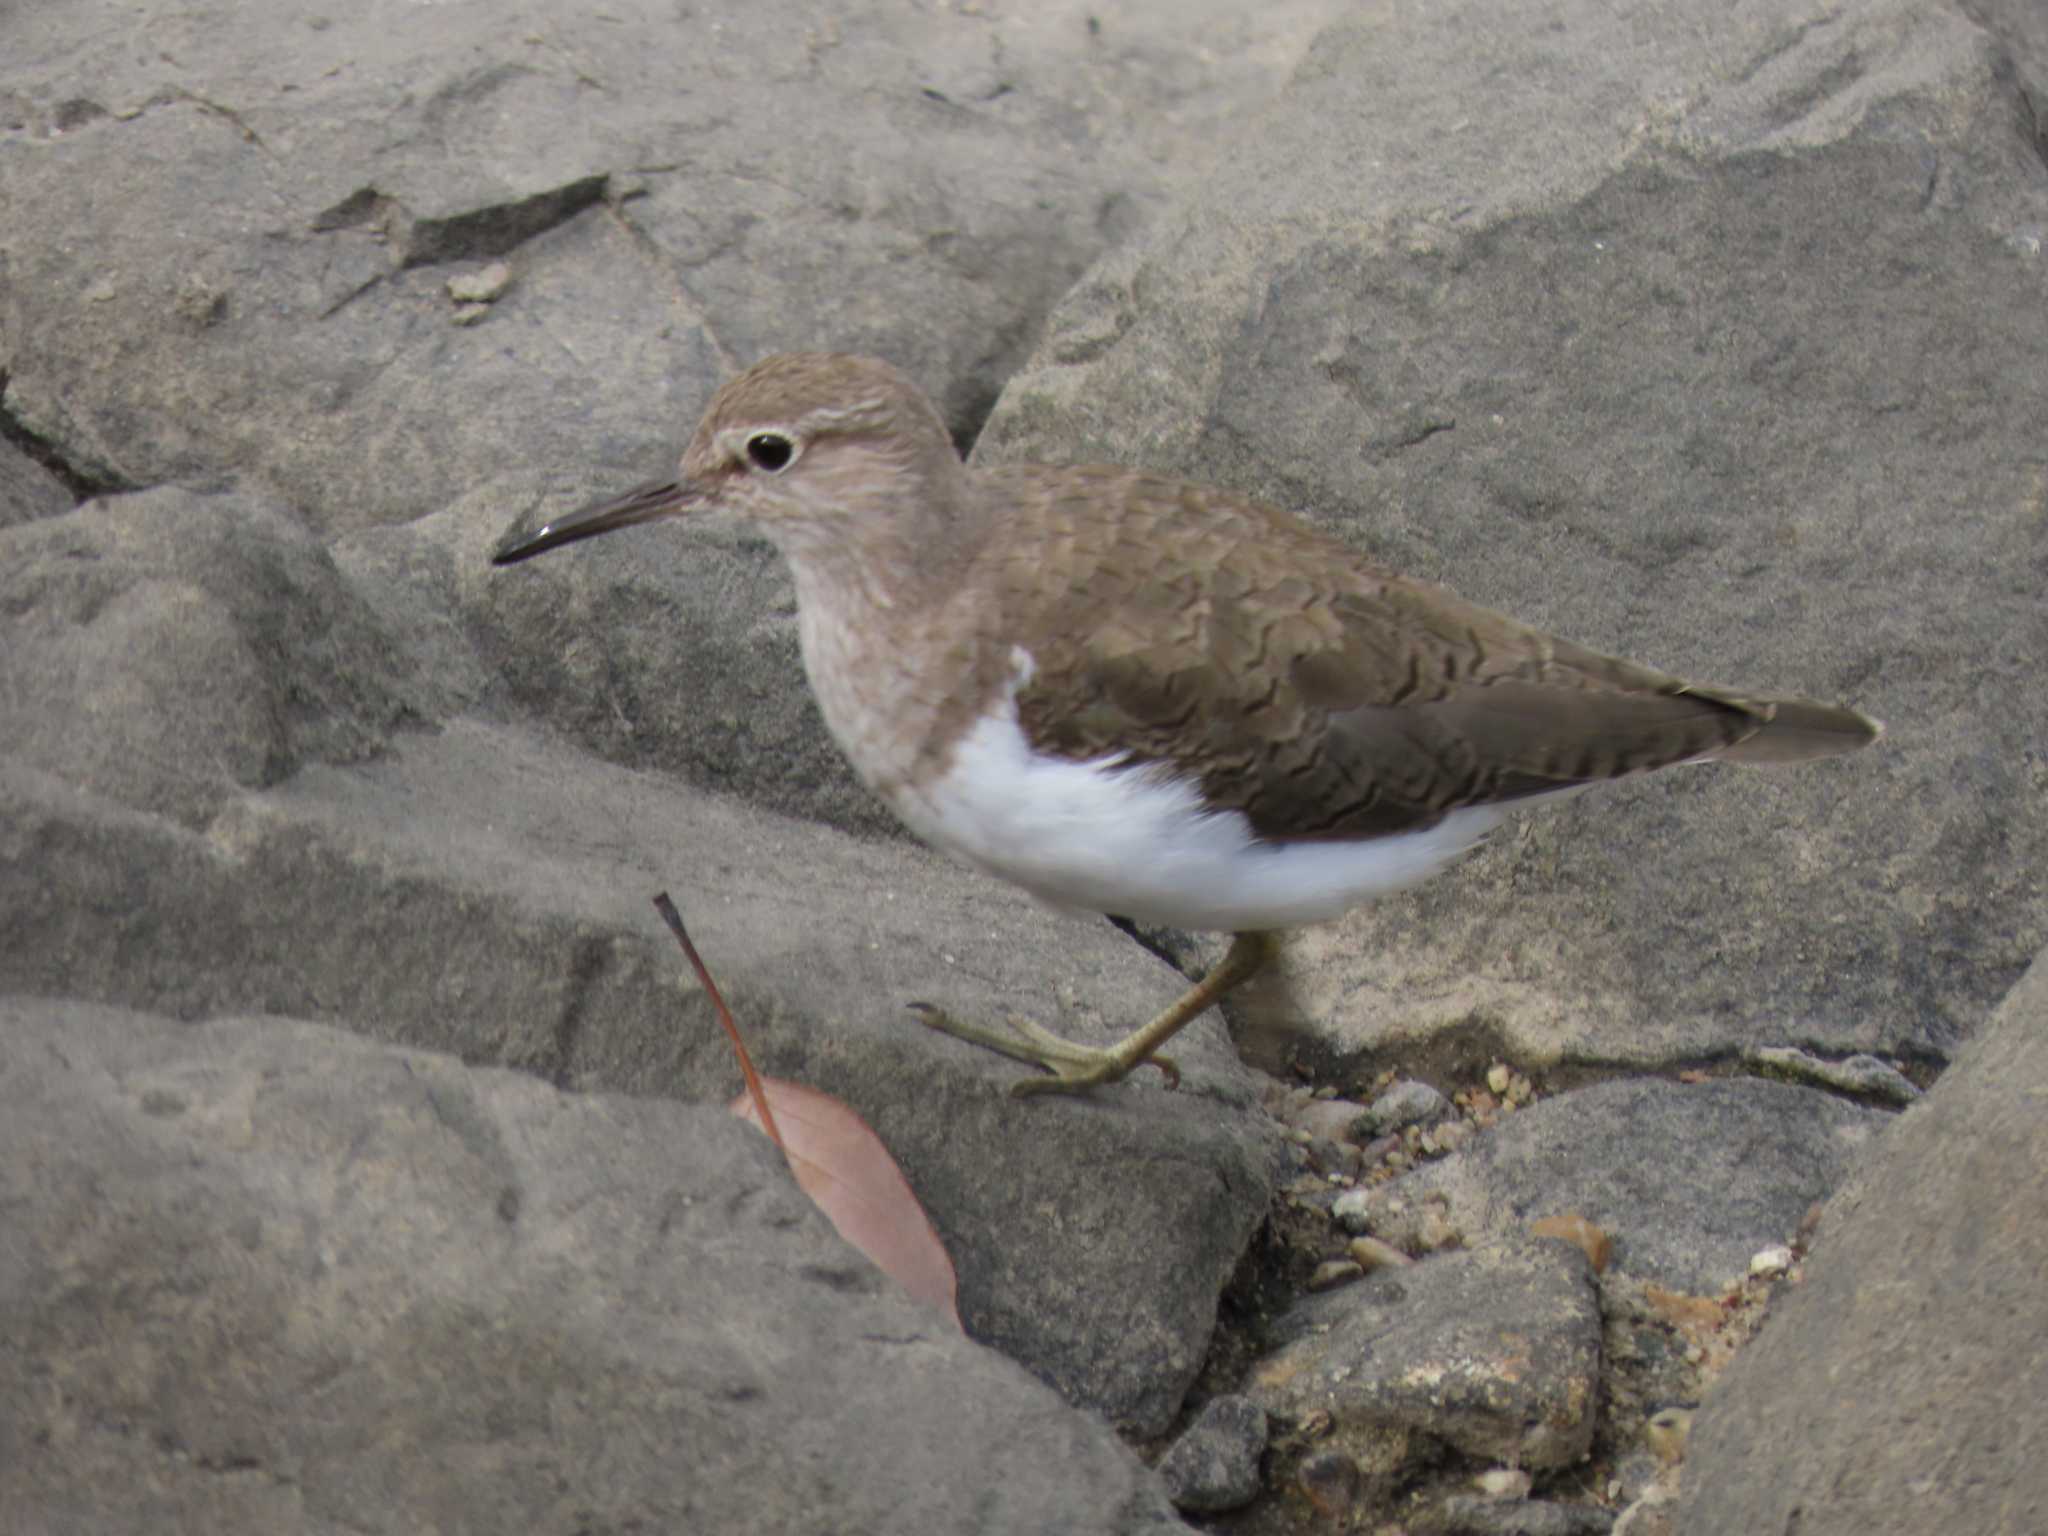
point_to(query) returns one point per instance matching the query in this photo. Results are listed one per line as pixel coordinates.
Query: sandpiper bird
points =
(1137, 696)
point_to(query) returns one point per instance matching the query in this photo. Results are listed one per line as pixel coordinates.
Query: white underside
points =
(1103, 836)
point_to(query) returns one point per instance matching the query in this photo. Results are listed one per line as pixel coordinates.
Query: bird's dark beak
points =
(642, 505)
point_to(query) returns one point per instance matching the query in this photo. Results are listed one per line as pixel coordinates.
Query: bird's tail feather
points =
(1800, 731)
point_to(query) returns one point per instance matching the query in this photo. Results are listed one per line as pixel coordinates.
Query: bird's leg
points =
(1076, 1067)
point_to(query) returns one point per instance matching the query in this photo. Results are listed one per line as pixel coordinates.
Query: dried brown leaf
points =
(838, 1161)
(842, 1165)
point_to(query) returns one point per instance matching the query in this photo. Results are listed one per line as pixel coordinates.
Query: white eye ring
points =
(770, 452)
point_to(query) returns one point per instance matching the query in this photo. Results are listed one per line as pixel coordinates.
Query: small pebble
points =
(1684, 1311)
(1452, 1135)
(1330, 1479)
(483, 287)
(1370, 1253)
(1504, 1483)
(1339, 1159)
(1352, 1210)
(1464, 1514)
(1666, 1433)
(470, 314)
(1435, 1232)
(1332, 1273)
(1581, 1233)
(1407, 1103)
(1860, 1074)
(1379, 1147)
(1497, 1078)
(1771, 1262)
(1634, 1474)
(1214, 1465)
(1331, 1119)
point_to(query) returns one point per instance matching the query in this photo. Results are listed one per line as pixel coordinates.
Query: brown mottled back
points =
(1320, 694)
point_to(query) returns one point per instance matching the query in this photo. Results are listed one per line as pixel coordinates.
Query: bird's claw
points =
(1073, 1068)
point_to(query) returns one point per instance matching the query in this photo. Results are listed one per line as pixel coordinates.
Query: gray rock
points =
(1494, 1352)
(1352, 1210)
(674, 193)
(477, 891)
(1897, 1390)
(1863, 1075)
(1214, 1465)
(1408, 1102)
(673, 197)
(165, 648)
(27, 490)
(1648, 1516)
(1468, 1515)
(2021, 28)
(1602, 317)
(264, 1276)
(1324, 1119)
(666, 209)
(1637, 1472)
(1626, 325)
(1689, 1180)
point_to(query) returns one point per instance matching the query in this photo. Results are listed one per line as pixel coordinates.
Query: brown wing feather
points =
(1327, 697)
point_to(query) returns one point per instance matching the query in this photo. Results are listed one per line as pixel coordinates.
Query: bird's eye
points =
(770, 451)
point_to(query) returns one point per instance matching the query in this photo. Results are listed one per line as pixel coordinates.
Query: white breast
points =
(1137, 842)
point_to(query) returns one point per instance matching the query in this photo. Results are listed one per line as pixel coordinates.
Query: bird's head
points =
(805, 444)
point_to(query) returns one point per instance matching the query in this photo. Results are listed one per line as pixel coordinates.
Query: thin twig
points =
(674, 919)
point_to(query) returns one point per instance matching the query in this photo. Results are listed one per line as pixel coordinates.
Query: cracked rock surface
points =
(291, 1279)
(363, 1152)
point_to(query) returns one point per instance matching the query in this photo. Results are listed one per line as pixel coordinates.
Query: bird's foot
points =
(1075, 1068)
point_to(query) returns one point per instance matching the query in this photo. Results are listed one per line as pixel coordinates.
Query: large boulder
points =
(265, 1277)
(1894, 1391)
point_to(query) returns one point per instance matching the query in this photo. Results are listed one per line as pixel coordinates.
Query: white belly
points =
(1136, 842)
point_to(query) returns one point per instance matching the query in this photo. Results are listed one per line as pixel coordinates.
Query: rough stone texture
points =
(1648, 1516)
(478, 892)
(1898, 1389)
(1862, 1075)
(261, 1275)
(1409, 1102)
(176, 672)
(164, 649)
(2021, 26)
(1469, 1515)
(1214, 1465)
(274, 209)
(1709, 336)
(1689, 1180)
(1494, 1352)
(27, 490)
